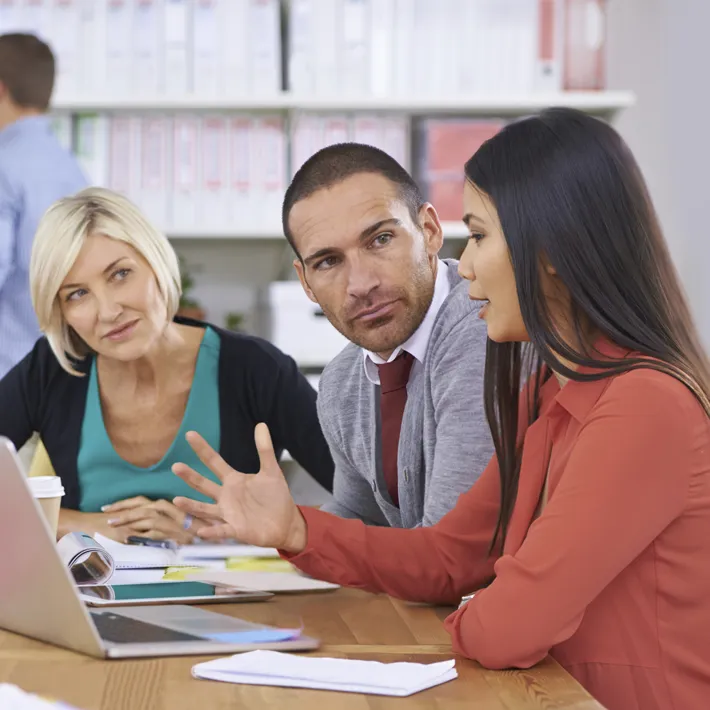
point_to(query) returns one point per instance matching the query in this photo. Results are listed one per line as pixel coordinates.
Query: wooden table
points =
(350, 624)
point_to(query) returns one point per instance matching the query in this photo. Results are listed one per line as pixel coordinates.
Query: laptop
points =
(38, 597)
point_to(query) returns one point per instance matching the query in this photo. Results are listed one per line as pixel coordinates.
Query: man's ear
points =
(431, 227)
(301, 271)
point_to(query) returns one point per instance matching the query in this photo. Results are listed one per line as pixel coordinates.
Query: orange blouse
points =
(612, 579)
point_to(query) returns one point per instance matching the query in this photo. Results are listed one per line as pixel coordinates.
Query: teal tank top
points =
(104, 477)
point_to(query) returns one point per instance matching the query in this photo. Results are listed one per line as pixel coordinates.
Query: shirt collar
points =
(418, 342)
(578, 397)
(24, 124)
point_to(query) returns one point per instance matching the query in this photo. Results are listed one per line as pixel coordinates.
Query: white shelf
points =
(504, 104)
(257, 233)
(515, 104)
(169, 103)
(452, 230)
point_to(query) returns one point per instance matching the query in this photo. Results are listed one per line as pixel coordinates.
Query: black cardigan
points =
(257, 383)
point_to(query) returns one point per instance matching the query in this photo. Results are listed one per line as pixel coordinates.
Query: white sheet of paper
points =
(14, 698)
(343, 675)
(262, 581)
(205, 551)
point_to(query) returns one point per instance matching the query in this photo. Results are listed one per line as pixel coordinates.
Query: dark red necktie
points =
(393, 396)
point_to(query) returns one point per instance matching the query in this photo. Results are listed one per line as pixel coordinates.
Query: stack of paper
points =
(285, 670)
(235, 565)
(147, 557)
(13, 698)
(246, 558)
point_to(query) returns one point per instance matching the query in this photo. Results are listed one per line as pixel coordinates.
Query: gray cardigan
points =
(445, 441)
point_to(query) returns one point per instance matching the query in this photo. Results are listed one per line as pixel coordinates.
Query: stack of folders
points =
(334, 47)
(193, 173)
(442, 146)
(185, 171)
(156, 47)
(448, 47)
(312, 131)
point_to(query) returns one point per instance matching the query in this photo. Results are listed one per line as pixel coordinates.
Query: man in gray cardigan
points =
(401, 406)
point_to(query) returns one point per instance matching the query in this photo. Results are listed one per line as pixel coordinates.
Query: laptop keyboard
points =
(121, 629)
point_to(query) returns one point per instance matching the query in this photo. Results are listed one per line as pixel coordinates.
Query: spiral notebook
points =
(140, 556)
(200, 555)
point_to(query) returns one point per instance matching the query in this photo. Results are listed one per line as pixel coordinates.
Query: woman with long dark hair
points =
(588, 536)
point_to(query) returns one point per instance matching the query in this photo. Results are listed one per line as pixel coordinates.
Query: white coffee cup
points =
(48, 492)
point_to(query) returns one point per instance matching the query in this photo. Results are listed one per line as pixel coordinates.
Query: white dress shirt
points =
(418, 342)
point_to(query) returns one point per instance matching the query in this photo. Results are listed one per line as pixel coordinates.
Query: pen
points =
(164, 544)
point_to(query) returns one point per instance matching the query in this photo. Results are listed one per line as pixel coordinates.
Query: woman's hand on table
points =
(256, 509)
(157, 520)
(92, 523)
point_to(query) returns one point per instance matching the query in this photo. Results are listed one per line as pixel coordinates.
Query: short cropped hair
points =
(334, 164)
(62, 232)
(27, 70)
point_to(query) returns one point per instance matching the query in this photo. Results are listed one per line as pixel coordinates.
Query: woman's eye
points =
(476, 236)
(75, 295)
(121, 274)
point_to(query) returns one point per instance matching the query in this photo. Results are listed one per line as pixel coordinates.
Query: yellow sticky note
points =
(259, 564)
(179, 574)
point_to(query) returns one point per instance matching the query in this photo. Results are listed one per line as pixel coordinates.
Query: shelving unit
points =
(604, 103)
(596, 102)
(233, 261)
(452, 230)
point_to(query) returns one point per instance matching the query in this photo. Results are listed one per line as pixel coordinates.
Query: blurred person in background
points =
(402, 405)
(118, 379)
(35, 171)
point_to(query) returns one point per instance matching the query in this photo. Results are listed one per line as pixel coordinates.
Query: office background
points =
(201, 110)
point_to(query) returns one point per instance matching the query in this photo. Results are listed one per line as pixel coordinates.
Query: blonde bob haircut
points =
(62, 231)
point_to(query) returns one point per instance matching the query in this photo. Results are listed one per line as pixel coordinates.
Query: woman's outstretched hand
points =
(256, 509)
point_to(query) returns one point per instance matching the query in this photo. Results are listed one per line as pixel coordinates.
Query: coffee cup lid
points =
(46, 486)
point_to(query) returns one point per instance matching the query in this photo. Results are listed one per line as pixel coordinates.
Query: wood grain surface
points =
(350, 624)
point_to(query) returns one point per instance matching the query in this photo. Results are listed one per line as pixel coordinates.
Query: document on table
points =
(261, 581)
(205, 551)
(343, 675)
(13, 698)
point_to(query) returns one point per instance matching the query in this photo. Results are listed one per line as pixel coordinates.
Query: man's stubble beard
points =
(389, 337)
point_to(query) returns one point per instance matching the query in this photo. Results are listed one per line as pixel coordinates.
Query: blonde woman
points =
(118, 379)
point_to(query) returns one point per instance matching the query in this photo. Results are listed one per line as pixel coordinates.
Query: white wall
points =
(687, 101)
(661, 50)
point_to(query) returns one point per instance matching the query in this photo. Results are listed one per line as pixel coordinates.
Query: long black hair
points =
(569, 194)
